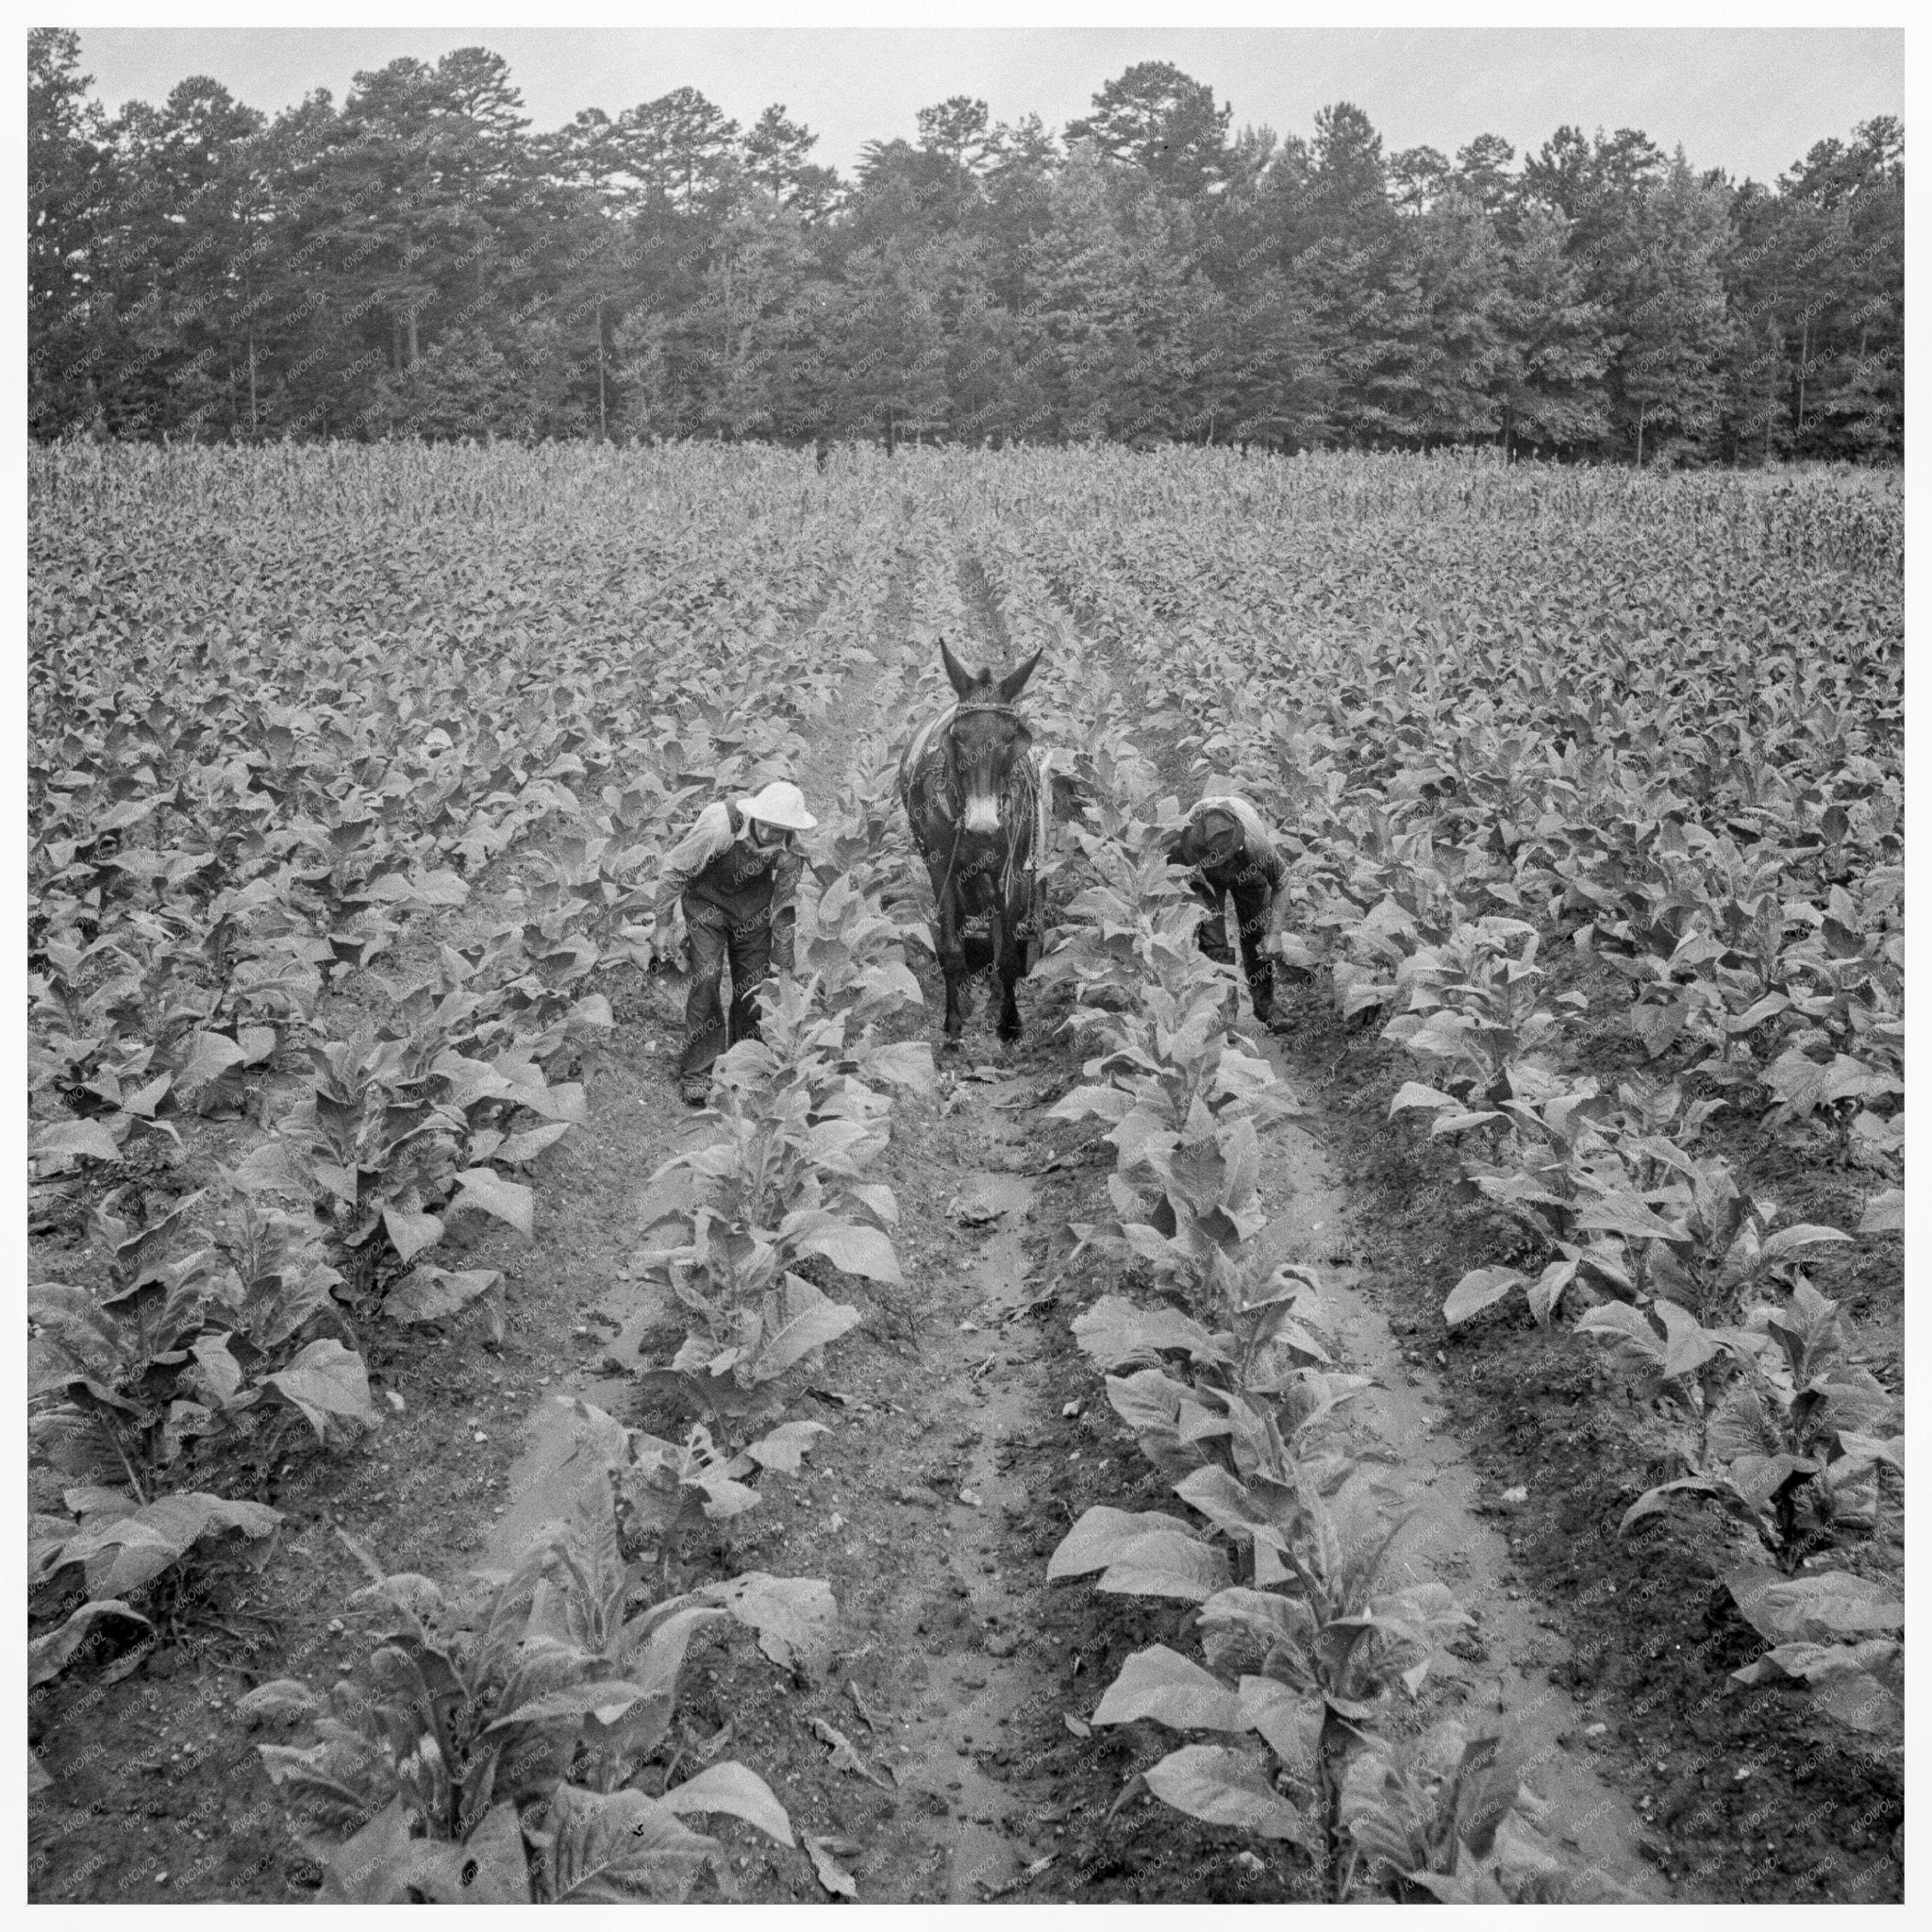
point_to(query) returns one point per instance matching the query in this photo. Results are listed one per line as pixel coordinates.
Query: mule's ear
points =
(964, 681)
(1014, 682)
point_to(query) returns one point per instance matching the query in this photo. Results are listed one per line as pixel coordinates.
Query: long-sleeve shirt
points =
(717, 862)
(1254, 859)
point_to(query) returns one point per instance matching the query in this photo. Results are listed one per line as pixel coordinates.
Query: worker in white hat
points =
(736, 873)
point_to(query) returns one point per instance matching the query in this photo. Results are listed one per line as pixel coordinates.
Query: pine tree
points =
(1079, 309)
(464, 387)
(1667, 375)
(775, 153)
(725, 363)
(72, 191)
(885, 345)
(1550, 377)
(957, 128)
(1164, 121)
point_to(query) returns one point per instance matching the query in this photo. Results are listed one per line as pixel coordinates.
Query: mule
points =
(972, 793)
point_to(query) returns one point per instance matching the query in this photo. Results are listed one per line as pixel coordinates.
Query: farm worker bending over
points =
(737, 874)
(1228, 850)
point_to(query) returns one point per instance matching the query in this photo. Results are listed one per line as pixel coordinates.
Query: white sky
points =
(1748, 100)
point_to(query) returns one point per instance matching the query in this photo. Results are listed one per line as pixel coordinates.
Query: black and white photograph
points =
(964, 960)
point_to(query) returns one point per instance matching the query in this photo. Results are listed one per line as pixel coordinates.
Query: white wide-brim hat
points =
(779, 804)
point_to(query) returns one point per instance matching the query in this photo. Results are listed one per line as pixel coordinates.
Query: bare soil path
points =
(1505, 1676)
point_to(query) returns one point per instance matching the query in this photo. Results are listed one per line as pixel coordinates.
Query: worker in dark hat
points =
(736, 876)
(1229, 854)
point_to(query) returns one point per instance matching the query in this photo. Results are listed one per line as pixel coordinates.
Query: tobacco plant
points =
(498, 1751)
(781, 1182)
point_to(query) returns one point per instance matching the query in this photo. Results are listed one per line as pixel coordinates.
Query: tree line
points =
(418, 262)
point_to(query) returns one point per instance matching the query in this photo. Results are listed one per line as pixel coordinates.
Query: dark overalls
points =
(727, 914)
(1251, 879)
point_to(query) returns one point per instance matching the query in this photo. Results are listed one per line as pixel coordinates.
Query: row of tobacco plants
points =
(278, 1051)
(1645, 1234)
(1716, 832)
(1311, 1629)
(522, 1745)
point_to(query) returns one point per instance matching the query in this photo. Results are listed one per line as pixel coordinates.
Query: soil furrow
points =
(1504, 1676)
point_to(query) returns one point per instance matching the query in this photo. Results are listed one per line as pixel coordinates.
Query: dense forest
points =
(416, 261)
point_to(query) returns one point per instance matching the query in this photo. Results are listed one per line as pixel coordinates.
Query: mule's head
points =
(987, 735)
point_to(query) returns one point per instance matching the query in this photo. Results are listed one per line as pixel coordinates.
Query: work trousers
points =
(1251, 903)
(715, 938)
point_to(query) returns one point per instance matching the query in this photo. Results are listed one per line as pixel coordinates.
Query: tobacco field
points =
(1451, 1451)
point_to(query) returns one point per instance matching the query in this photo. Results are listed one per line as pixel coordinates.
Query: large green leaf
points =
(372, 1867)
(606, 1699)
(433, 1295)
(1161, 1684)
(1289, 1720)
(1790, 1240)
(489, 1868)
(510, 1201)
(410, 1231)
(1844, 1678)
(796, 1618)
(617, 1847)
(1221, 1785)
(1230, 1506)
(281, 1697)
(1164, 1564)
(1481, 1287)
(89, 1139)
(730, 1787)
(213, 1054)
(121, 1555)
(782, 1448)
(1104, 1534)
(1413, 1093)
(1820, 1607)
(532, 1141)
(48, 1656)
(854, 1249)
(1115, 1330)
(906, 1063)
(1885, 1212)
(329, 1385)
(1687, 1344)
(807, 1320)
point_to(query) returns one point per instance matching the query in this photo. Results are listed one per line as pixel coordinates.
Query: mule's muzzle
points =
(982, 813)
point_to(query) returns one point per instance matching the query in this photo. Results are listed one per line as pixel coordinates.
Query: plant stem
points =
(1329, 1757)
(133, 1481)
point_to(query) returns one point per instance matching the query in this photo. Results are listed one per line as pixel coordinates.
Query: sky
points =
(1751, 101)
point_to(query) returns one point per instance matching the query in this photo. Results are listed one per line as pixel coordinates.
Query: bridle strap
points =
(960, 707)
(952, 859)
